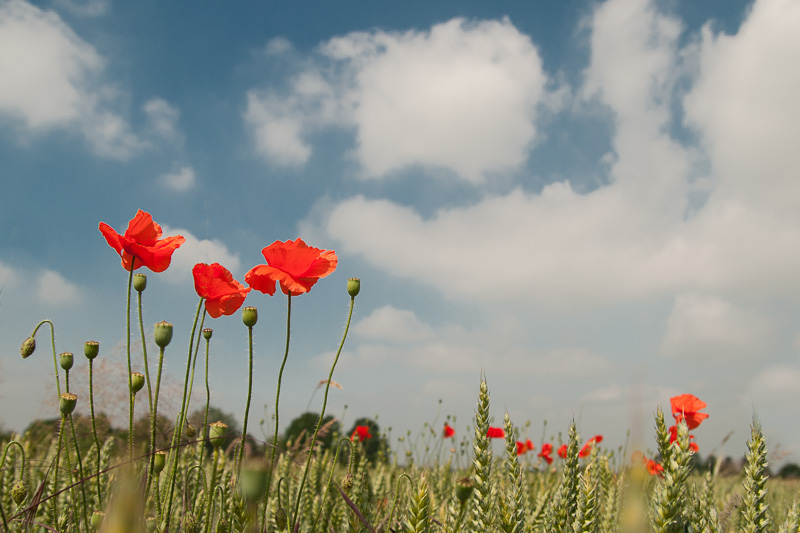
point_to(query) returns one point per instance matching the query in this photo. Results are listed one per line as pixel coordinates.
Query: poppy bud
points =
(190, 524)
(464, 488)
(207, 333)
(222, 527)
(97, 519)
(191, 431)
(67, 403)
(65, 360)
(353, 287)
(139, 282)
(253, 481)
(19, 492)
(27, 348)
(347, 482)
(216, 433)
(280, 519)
(91, 349)
(159, 461)
(137, 382)
(163, 334)
(249, 316)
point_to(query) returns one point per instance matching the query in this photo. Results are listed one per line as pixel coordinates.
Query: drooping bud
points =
(347, 482)
(67, 403)
(249, 316)
(280, 519)
(19, 492)
(139, 282)
(207, 333)
(97, 519)
(65, 360)
(190, 523)
(91, 349)
(191, 431)
(159, 461)
(163, 334)
(353, 287)
(27, 348)
(253, 481)
(464, 487)
(137, 382)
(216, 433)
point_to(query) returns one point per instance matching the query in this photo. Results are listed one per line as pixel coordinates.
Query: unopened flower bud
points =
(163, 334)
(27, 348)
(159, 461)
(347, 482)
(464, 487)
(65, 360)
(216, 433)
(253, 481)
(353, 287)
(207, 333)
(190, 524)
(280, 519)
(67, 403)
(222, 527)
(191, 431)
(97, 519)
(91, 349)
(137, 382)
(139, 282)
(19, 492)
(249, 316)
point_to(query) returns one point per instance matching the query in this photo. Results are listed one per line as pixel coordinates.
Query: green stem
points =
(249, 394)
(208, 401)
(194, 361)
(322, 414)
(153, 420)
(21, 476)
(80, 471)
(176, 438)
(55, 469)
(128, 346)
(144, 353)
(94, 431)
(210, 496)
(277, 399)
(53, 343)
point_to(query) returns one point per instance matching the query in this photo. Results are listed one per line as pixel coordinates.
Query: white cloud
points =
(58, 84)
(773, 387)
(195, 251)
(461, 96)
(390, 324)
(708, 327)
(162, 119)
(179, 181)
(7, 275)
(85, 8)
(53, 289)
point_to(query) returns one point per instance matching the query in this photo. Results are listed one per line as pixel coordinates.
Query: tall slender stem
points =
(80, 470)
(128, 346)
(94, 431)
(194, 362)
(249, 394)
(322, 414)
(53, 343)
(208, 401)
(153, 420)
(144, 352)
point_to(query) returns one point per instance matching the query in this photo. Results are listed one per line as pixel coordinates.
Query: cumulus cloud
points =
(703, 327)
(59, 83)
(773, 387)
(162, 119)
(390, 324)
(179, 181)
(461, 96)
(194, 251)
(53, 289)
(85, 8)
(7, 275)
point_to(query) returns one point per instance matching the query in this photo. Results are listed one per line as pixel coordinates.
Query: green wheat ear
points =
(754, 506)
(512, 519)
(481, 517)
(418, 516)
(669, 500)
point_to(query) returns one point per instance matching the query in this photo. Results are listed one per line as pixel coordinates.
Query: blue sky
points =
(595, 204)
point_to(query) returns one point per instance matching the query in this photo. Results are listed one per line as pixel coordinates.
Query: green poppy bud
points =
(65, 360)
(464, 487)
(27, 348)
(97, 519)
(253, 481)
(216, 433)
(159, 461)
(19, 492)
(353, 287)
(207, 333)
(139, 282)
(280, 519)
(347, 482)
(137, 381)
(67, 403)
(190, 523)
(249, 316)
(91, 349)
(163, 334)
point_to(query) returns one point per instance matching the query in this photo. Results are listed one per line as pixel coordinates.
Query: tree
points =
(215, 414)
(304, 425)
(375, 447)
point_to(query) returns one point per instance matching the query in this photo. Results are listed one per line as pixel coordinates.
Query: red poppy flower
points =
(673, 436)
(654, 468)
(223, 294)
(143, 241)
(547, 449)
(293, 264)
(529, 445)
(362, 432)
(448, 431)
(496, 433)
(521, 448)
(562, 451)
(587, 448)
(688, 406)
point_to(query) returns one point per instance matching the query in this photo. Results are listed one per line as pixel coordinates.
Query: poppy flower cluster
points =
(546, 452)
(495, 433)
(587, 448)
(523, 447)
(448, 431)
(687, 407)
(362, 432)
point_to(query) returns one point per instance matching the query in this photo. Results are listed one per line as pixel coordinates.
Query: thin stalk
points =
(210, 495)
(176, 438)
(194, 361)
(324, 405)
(80, 470)
(55, 469)
(144, 353)
(277, 399)
(53, 343)
(94, 431)
(208, 402)
(153, 419)
(128, 346)
(247, 406)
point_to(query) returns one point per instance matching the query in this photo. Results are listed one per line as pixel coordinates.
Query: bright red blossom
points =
(362, 432)
(294, 265)
(654, 468)
(688, 406)
(496, 433)
(448, 431)
(673, 436)
(523, 447)
(547, 449)
(142, 240)
(587, 448)
(223, 294)
(562, 451)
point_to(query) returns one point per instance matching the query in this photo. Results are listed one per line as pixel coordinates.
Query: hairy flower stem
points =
(194, 362)
(176, 437)
(247, 405)
(210, 496)
(153, 418)
(53, 343)
(128, 346)
(208, 402)
(80, 470)
(94, 431)
(55, 468)
(278, 393)
(144, 353)
(324, 405)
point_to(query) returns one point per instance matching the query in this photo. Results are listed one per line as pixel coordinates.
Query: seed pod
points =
(163, 334)
(249, 316)
(139, 282)
(67, 403)
(137, 381)
(19, 492)
(280, 519)
(353, 287)
(347, 482)
(216, 433)
(253, 481)
(159, 461)
(464, 487)
(207, 333)
(97, 519)
(91, 349)
(65, 360)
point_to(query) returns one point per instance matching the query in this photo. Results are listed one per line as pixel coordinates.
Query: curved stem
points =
(397, 495)
(249, 394)
(342, 440)
(94, 431)
(53, 343)
(324, 405)
(277, 399)
(176, 437)
(199, 468)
